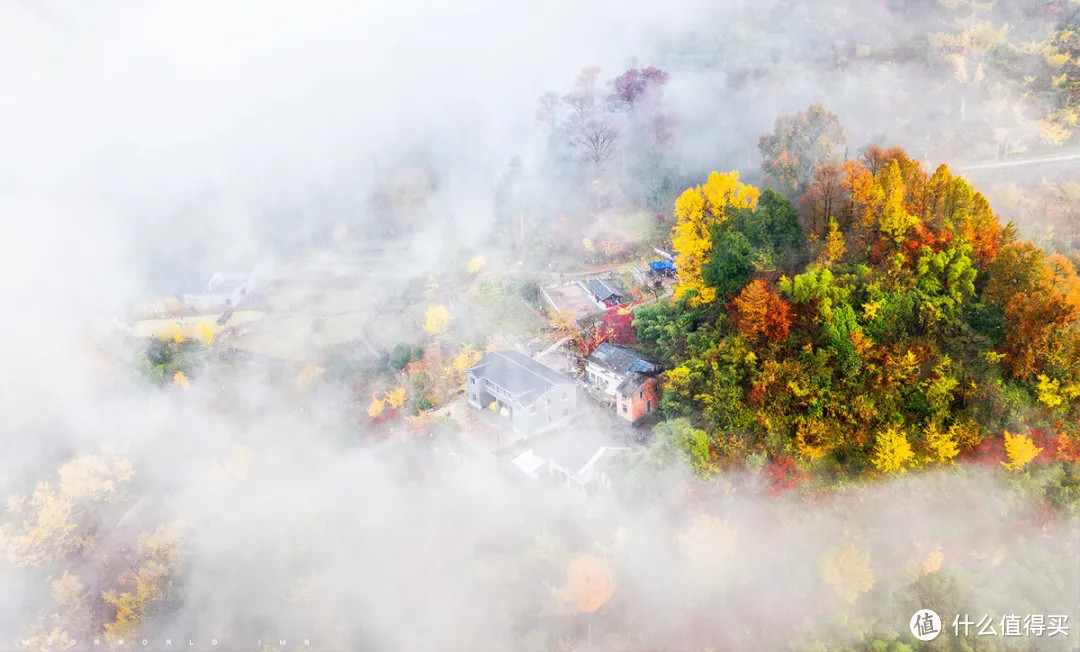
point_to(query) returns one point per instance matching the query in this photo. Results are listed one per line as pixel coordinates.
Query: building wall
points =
(602, 378)
(644, 402)
(553, 408)
(549, 411)
(479, 397)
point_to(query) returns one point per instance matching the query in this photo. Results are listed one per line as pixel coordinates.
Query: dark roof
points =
(603, 291)
(632, 383)
(623, 360)
(518, 374)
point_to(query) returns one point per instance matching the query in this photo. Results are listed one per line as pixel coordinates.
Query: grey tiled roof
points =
(621, 359)
(603, 291)
(518, 374)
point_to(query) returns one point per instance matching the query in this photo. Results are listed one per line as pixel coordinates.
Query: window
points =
(472, 380)
(641, 394)
(549, 418)
(566, 395)
(624, 410)
(648, 406)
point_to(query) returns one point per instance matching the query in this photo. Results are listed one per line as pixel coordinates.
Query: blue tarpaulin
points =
(661, 265)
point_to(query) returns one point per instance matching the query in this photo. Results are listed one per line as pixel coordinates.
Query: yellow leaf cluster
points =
(564, 324)
(847, 570)
(941, 445)
(376, 408)
(462, 360)
(810, 439)
(871, 308)
(180, 380)
(892, 452)
(477, 265)
(206, 333)
(1049, 391)
(1054, 133)
(172, 334)
(835, 247)
(54, 523)
(396, 397)
(1057, 59)
(1020, 450)
(68, 590)
(170, 307)
(153, 584)
(895, 220)
(696, 211)
(437, 320)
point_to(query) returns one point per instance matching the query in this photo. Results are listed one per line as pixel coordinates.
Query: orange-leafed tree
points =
(588, 584)
(823, 199)
(1040, 297)
(761, 314)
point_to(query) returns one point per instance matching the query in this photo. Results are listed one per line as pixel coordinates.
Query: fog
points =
(147, 145)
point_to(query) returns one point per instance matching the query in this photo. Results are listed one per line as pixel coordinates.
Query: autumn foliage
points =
(897, 329)
(588, 584)
(696, 211)
(761, 314)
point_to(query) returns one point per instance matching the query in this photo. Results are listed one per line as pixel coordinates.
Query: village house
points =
(532, 397)
(581, 460)
(605, 293)
(626, 378)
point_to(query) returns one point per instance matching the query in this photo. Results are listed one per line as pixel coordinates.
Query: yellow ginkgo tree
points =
(477, 265)
(892, 452)
(395, 398)
(696, 211)
(376, 408)
(437, 319)
(206, 333)
(173, 334)
(847, 570)
(462, 360)
(1020, 451)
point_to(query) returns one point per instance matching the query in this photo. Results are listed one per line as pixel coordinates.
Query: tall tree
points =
(696, 211)
(761, 314)
(799, 143)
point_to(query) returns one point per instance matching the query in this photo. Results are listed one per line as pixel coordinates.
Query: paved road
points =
(1034, 160)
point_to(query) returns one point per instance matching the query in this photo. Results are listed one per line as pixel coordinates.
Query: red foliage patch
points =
(1048, 442)
(386, 416)
(783, 475)
(1055, 447)
(988, 452)
(619, 322)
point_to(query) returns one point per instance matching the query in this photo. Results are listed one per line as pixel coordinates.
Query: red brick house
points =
(627, 378)
(638, 396)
